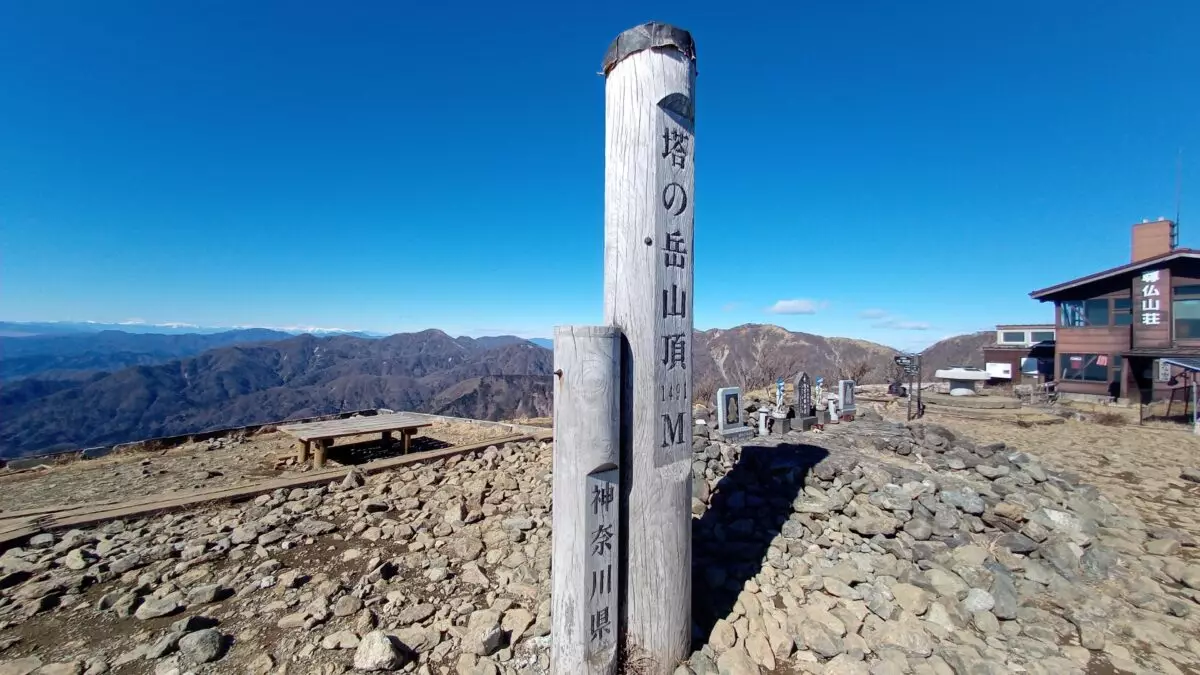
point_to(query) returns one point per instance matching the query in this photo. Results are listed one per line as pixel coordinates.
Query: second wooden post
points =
(649, 199)
(587, 555)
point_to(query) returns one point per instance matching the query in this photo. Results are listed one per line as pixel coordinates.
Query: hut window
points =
(1083, 367)
(1187, 318)
(1080, 313)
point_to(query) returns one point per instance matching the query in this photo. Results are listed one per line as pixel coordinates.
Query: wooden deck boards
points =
(353, 426)
(17, 525)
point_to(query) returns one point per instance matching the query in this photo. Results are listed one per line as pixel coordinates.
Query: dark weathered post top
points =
(649, 35)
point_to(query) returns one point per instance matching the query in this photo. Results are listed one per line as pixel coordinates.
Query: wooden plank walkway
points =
(16, 526)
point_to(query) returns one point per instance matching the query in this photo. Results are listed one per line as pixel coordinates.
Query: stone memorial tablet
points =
(846, 397)
(730, 422)
(804, 395)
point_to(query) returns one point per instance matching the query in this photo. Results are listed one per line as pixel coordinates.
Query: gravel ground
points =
(208, 464)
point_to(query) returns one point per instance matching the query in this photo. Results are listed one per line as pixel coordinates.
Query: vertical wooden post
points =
(911, 394)
(649, 160)
(302, 454)
(319, 453)
(920, 376)
(586, 551)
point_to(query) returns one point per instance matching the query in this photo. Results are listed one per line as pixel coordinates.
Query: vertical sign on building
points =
(1151, 308)
(1163, 374)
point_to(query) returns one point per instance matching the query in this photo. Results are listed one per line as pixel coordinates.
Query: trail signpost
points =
(911, 363)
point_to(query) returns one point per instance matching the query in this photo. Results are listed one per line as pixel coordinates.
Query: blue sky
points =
(891, 171)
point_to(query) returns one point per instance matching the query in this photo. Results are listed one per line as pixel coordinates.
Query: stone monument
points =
(846, 404)
(805, 413)
(833, 405)
(730, 423)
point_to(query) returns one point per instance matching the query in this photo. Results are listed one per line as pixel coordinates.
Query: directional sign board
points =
(904, 360)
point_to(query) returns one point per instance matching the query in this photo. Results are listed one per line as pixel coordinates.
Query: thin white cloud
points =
(729, 306)
(298, 329)
(900, 324)
(885, 319)
(796, 306)
(525, 333)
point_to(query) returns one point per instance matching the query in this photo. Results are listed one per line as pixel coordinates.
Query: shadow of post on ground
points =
(747, 510)
(352, 454)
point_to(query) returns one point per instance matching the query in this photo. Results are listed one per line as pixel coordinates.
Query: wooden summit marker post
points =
(649, 162)
(586, 551)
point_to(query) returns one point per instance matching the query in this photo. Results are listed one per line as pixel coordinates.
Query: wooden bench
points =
(320, 435)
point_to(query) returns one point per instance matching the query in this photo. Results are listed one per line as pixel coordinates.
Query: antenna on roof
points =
(1178, 197)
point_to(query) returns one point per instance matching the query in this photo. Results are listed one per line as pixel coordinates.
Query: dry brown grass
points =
(1108, 419)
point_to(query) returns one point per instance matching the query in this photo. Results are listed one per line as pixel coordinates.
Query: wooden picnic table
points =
(320, 435)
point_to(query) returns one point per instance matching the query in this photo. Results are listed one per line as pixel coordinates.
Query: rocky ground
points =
(1136, 467)
(873, 548)
(238, 459)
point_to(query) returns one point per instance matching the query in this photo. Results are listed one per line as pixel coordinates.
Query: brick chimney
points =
(1152, 238)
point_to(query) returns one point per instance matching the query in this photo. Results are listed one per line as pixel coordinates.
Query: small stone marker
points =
(846, 399)
(730, 423)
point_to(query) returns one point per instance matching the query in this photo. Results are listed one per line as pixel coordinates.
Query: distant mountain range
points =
(46, 328)
(267, 381)
(107, 350)
(83, 389)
